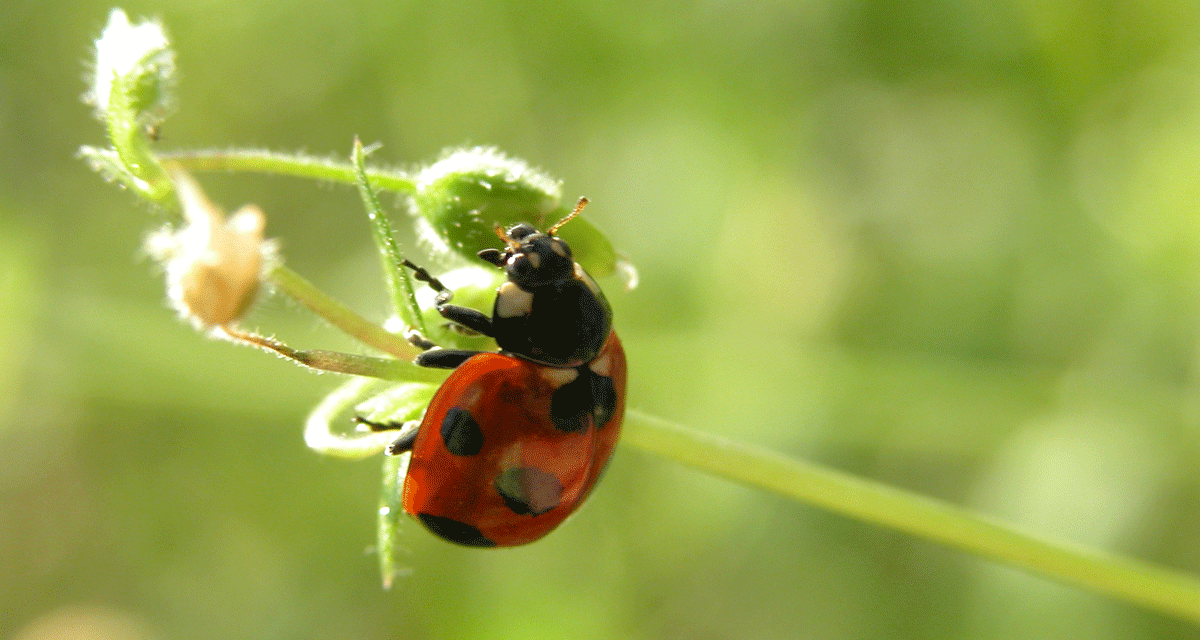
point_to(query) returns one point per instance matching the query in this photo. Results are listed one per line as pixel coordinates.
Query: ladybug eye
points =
(540, 260)
(520, 269)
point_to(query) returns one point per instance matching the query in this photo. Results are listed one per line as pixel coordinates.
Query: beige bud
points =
(122, 50)
(214, 265)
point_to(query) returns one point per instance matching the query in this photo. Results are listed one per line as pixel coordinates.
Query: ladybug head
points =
(532, 258)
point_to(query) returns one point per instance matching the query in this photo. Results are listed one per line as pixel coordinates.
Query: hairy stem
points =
(339, 315)
(299, 165)
(1155, 587)
(334, 361)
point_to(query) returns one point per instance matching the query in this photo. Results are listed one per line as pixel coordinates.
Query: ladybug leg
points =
(385, 426)
(415, 338)
(403, 442)
(472, 319)
(434, 356)
(443, 358)
(420, 273)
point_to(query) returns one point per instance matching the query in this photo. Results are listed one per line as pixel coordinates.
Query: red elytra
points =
(496, 464)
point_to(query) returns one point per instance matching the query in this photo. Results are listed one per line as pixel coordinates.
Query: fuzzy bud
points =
(462, 197)
(135, 71)
(214, 265)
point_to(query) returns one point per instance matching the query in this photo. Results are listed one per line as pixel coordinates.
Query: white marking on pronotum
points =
(558, 377)
(512, 301)
(583, 277)
(535, 260)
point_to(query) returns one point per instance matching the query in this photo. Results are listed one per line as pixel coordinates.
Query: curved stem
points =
(1165, 590)
(319, 433)
(289, 164)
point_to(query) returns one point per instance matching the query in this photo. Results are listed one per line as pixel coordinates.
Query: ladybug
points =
(514, 441)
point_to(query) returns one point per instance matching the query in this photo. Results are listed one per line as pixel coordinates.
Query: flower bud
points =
(135, 71)
(214, 265)
(132, 91)
(461, 198)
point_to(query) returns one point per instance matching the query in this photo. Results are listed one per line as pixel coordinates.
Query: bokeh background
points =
(950, 245)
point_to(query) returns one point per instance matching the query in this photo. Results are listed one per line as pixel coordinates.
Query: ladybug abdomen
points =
(509, 448)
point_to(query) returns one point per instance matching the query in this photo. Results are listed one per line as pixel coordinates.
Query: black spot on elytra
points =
(588, 395)
(455, 531)
(528, 491)
(604, 399)
(461, 433)
(571, 403)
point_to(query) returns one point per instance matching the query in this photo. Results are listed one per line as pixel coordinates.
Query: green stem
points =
(319, 432)
(142, 171)
(404, 300)
(1158, 588)
(334, 361)
(391, 510)
(299, 165)
(339, 315)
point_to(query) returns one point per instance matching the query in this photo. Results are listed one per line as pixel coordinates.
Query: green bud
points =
(135, 67)
(132, 91)
(463, 197)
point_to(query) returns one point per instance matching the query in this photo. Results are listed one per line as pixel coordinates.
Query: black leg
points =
(472, 319)
(379, 426)
(403, 442)
(443, 358)
(415, 338)
(443, 294)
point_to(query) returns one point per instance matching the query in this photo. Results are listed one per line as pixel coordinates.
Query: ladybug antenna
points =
(513, 245)
(558, 225)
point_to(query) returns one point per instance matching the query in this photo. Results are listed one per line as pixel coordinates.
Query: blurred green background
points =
(950, 245)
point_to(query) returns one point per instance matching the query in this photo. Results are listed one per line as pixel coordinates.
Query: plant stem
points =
(292, 164)
(333, 361)
(341, 316)
(404, 300)
(1165, 590)
(319, 433)
(391, 510)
